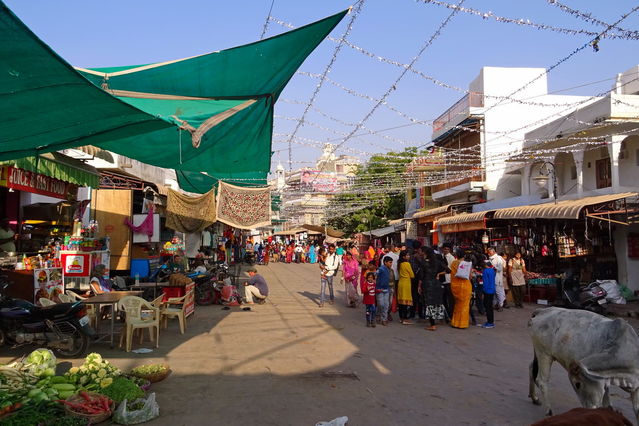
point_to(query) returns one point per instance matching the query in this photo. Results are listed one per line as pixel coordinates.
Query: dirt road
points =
(289, 362)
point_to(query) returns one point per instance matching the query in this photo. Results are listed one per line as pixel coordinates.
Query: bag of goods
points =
(613, 292)
(139, 411)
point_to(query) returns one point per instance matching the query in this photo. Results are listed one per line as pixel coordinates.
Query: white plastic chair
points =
(176, 308)
(65, 298)
(133, 306)
(91, 309)
(46, 302)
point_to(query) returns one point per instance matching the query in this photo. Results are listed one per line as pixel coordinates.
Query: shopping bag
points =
(463, 270)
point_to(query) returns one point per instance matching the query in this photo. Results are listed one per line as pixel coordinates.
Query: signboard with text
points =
(318, 181)
(28, 181)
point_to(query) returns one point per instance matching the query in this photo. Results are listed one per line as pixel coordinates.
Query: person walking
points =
(404, 289)
(368, 292)
(431, 288)
(382, 289)
(488, 276)
(312, 256)
(461, 289)
(331, 266)
(350, 273)
(506, 281)
(498, 264)
(517, 269)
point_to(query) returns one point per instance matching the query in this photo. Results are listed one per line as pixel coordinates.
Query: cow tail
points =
(535, 367)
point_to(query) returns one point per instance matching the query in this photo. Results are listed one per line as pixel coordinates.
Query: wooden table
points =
(111, 298)
(147, 286)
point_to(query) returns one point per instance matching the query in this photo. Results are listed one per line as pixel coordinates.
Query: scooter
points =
(63, 327)
(590, 297)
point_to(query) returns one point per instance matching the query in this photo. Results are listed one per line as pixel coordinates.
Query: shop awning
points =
(221, 102)
(463, 222)
(380, 232)
(564, 209)
(59, 166)
(431, 215)
(290, 232)
(324, 230)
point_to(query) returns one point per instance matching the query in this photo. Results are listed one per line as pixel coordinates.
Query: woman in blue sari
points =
(311, 254)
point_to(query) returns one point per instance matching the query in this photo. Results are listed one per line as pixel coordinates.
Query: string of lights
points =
(354, 14)
(633, 35)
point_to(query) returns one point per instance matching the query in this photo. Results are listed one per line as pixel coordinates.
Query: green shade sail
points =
(211, 113)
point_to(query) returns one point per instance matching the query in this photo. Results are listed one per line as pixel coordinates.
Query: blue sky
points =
(119, 32)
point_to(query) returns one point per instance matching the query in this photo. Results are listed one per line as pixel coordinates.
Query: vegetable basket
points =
(153, 377)
(91, 418)
(142, 382)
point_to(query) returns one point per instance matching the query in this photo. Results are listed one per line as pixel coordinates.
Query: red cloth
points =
(146, 227)
(368, 290)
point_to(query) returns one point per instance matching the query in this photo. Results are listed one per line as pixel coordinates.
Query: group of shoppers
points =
(431, 284)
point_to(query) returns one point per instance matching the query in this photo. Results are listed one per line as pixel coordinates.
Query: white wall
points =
(628, 168)
(627, 269)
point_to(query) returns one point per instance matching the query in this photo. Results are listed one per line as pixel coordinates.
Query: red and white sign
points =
(76, 265)
(25, 180)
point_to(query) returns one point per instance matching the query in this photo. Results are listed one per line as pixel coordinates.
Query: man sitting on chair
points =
(255, 287)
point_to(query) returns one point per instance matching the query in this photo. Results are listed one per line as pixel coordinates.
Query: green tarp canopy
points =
(211, 113)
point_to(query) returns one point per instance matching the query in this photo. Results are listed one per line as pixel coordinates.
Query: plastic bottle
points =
(137, 279)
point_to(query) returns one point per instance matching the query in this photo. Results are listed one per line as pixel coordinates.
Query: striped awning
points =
(564, 209)
(463, 222)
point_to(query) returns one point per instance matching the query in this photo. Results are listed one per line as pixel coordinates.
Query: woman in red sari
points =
(289, 253)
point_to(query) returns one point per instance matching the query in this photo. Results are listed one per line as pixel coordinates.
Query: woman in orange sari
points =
(462, 291)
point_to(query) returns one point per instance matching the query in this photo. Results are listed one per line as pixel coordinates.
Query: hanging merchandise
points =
(244, 208)
(190, 214)
(146, 227)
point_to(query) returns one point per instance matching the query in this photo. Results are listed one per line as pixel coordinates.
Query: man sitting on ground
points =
(255, 287)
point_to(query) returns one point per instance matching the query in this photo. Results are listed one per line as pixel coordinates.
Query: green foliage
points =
(381, 171)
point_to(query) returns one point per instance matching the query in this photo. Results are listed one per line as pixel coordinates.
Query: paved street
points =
(277, 365)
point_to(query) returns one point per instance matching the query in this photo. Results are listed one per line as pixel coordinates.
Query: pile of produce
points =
(121, 389)
(151, 372)
(96, 373)
(90, 404)
(31, 393)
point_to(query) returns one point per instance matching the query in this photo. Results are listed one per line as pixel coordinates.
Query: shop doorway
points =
(604, 173)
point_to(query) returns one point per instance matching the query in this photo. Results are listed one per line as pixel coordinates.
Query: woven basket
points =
(92, 418)
(156, 377)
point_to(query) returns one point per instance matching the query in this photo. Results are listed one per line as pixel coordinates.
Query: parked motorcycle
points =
(63, 327)
(590, 297)
(249, 258)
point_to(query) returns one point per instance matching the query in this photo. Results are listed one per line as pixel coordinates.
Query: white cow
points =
(596, 351)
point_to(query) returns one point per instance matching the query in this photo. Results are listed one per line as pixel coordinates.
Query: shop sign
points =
(25, 180)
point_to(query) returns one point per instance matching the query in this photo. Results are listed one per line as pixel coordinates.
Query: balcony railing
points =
(478, 177)
(462, 106)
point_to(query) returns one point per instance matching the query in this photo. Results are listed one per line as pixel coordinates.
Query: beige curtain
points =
(190, 214)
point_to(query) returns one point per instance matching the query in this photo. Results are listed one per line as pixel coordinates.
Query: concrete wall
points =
(628, 165)
(627, 269)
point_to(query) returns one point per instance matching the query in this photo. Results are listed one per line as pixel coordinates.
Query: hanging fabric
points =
(146, 227)
(244, 208)
(190, 214)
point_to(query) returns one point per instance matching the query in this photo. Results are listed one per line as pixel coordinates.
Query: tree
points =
(379, 189)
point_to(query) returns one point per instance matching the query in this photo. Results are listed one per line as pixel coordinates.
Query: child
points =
(368, 291)
(488, 276)
(383, 288)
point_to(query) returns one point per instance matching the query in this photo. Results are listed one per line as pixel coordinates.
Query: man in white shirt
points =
(498, 264)
(449, 301)
(7, 236)
(331, 267)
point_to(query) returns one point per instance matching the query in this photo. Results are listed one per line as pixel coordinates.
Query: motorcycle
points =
(207, 290)
(63, 327)
(249, 258)
(590, 297)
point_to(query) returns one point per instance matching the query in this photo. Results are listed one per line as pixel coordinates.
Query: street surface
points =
(289, 362)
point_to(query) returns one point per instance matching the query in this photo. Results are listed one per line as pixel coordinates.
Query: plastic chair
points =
(46, 302)
(65, 298)
(173, 310)
(91, 309)
(133, 306)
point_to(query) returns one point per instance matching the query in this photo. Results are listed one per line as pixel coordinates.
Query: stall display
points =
(31, 393)
(47, 283)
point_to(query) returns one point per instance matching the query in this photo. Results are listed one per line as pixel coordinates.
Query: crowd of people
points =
(287, 252)
(425, 283)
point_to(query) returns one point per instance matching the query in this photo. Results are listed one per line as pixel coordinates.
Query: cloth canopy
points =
(190, 214)
(210, 113)
(244, 208)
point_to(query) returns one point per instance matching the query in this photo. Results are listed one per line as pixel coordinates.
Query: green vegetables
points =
(147, 370)
(40, 363)
(45, 414)
(96, 373)
(121, 389)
